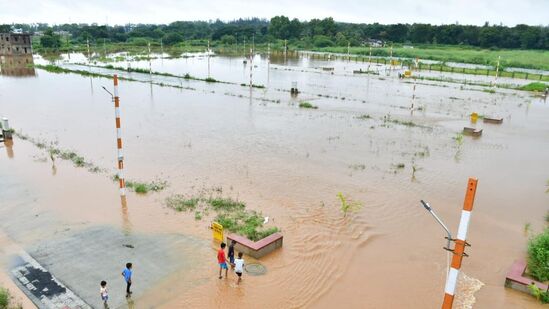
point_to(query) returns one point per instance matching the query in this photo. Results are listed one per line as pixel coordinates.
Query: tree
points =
(322, 41)
(5, 28)
(280, 27)
(341, 40)
(228, 39)
(50, 39)
(172, 38)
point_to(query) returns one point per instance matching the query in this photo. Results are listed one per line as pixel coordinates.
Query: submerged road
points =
(80, 255)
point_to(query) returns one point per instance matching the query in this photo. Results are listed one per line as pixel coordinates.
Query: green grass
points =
(531, 59)
(538, 256)
(307, 105)
(364, 117)
(225, 204)
(535, 87)
(245, 223)
(230, 213)
(145, 187)
(6, 300)
(181, 203)
(63, 154)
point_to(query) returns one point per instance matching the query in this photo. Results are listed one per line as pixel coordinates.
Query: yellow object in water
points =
(217, 231)
(407, 73)
(474, 117)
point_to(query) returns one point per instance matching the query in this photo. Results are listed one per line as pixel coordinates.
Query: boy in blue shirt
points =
(127, 274)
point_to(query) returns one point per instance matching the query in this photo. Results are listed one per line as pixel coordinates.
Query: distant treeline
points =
(314, 33)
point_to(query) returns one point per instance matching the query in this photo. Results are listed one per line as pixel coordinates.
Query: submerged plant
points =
(307, 105)
(458, 138)
(348, 205)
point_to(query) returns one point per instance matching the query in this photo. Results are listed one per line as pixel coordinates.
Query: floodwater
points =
(290, 164)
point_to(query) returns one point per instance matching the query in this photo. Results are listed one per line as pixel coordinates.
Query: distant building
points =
(15, 44)
(373, 43)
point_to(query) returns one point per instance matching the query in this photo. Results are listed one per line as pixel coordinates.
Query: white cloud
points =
(508, 12)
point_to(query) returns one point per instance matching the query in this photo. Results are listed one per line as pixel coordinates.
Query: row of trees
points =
(316, 32)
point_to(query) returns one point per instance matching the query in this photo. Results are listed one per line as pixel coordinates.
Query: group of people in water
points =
(235, 263)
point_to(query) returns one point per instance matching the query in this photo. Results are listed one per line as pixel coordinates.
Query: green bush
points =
(536, 86)
(538, 256)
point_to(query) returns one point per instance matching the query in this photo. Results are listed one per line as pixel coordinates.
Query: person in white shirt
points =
(239, 267)
(104, 293)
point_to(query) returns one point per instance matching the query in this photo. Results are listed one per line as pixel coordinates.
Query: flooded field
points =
(289, 163)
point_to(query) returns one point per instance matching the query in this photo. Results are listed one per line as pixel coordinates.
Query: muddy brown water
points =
(290, 164)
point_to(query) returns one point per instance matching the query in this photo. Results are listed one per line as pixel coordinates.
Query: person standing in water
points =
(239, 267)
(222, 261)
(104, 293)
(127, 274)
(230, 254)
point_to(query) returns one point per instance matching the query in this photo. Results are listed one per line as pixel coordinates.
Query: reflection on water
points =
(9, 147)
(17, 65)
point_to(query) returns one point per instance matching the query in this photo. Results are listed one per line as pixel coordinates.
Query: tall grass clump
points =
(538, 256)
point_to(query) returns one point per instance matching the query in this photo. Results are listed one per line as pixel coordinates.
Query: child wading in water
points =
(104, 293)
(127, 274)
(239, 267)
(222, 261)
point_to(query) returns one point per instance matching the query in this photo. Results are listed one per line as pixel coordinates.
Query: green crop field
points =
(531, 59)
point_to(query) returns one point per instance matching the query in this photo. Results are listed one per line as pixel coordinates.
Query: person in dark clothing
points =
(230, 254)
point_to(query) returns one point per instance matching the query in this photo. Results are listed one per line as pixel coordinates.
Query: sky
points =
(476, 12)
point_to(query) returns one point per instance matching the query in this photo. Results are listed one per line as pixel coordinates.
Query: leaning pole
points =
(460, 244)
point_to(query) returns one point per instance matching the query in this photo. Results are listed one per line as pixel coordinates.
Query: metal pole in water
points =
(349, 51)
(413, 94)
(268, 62)
(104, 48)
(88, 43)
(150, 66)
(369, 58)
(121, 180)
(208, 52)
(460, 244)
(391, 59)
(285, 49)
(497, 71)
(251, 67)
(161, 49)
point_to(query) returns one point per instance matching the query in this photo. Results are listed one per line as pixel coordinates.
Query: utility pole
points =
(120, 156)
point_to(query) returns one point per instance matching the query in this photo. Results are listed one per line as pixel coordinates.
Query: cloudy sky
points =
(508, 12)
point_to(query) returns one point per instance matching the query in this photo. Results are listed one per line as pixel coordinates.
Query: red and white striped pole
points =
(119, 139)
(460, 244)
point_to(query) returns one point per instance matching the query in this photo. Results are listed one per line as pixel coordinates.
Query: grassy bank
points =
(232, 214)
(530, 59)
